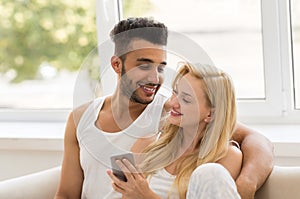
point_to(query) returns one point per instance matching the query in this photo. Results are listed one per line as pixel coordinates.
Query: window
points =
(42, 46)
(231, 32)
(295, 13)
(219, 28)
(250, 40)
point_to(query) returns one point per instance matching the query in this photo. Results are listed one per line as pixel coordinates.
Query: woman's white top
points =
(161, 183)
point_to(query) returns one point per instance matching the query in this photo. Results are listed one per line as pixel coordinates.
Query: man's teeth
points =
(149, 89)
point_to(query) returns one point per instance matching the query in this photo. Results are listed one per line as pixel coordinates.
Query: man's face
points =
(142, 71)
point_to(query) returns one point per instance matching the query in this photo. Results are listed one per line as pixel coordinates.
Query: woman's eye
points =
(186, 100)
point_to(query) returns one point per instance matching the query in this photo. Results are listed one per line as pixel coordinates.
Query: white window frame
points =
(290, 115)
(29, 115)
(279, 104)
(271, 105)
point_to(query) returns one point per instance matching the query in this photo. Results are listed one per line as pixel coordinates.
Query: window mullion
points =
(271, 106)
(107, 15)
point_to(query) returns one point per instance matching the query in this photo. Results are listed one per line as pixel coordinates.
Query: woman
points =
(197, 133)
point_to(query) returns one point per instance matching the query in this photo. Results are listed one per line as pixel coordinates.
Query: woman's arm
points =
(257, 160)
(233, 161)
(136, 186)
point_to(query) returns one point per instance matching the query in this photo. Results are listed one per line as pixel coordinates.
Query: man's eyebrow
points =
(150, 61)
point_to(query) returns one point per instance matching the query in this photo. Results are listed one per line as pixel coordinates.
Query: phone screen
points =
(116, 169)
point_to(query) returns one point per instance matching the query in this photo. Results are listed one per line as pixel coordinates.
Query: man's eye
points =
(144, 66)
(161, 69)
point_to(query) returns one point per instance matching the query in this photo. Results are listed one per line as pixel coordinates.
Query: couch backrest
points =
(283, 183)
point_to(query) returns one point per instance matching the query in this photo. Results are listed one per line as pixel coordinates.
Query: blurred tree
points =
(33, 32)
(58, 33)
(136, 8)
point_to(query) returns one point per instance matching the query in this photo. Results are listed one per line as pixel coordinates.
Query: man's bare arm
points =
(257, 160)
(71, 175)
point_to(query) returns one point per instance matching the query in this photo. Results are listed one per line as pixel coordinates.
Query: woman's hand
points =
(136, 186)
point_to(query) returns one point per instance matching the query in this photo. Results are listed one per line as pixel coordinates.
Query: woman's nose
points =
(174, 101)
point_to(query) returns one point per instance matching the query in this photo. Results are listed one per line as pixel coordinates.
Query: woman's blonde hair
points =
(213, 142)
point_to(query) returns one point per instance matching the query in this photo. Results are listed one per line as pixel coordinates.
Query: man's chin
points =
(141, 101)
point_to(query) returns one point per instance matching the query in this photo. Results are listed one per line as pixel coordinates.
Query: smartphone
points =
(116, 169)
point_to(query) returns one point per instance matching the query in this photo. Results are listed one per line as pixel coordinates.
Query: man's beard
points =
(128, 90)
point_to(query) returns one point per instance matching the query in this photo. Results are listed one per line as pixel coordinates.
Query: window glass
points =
(42, 45)
(229, 31)
(295, 9)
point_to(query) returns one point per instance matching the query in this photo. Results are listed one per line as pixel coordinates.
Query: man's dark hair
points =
(137, 28)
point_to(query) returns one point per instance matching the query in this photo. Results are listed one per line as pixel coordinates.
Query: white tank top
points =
(96, 146)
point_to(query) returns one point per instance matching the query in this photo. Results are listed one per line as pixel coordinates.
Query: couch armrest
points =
(282, 183)
(41, 185)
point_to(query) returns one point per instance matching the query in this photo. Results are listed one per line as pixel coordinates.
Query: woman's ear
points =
(116, 63)
(209, 116)
(207, 119)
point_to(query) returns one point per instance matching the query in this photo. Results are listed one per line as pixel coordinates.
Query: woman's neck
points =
(192, 137)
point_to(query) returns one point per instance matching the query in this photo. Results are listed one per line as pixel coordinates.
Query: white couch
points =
(283, 183)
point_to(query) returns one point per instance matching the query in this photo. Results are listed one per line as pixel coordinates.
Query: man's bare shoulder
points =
(243, 129)
(78, 112)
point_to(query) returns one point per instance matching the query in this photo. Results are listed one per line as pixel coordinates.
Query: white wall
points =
(21, 162)
(21, 156)
(27, 147)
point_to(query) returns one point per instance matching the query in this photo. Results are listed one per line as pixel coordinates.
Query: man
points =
(110, 125)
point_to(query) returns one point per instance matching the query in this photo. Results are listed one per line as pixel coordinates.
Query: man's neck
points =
(122, 107)
(118, 113)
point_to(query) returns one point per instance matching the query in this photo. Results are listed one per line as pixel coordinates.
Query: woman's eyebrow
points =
(185, 93)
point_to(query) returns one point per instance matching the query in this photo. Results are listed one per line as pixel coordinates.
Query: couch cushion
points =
(41, 185)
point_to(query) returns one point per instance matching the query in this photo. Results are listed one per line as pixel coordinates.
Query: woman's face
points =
(188, 103)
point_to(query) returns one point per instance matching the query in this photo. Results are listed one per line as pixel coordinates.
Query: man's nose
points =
(153, 76)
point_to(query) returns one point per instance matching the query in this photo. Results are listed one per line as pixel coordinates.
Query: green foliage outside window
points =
(59, 34)
(35, 32)
(134, 8)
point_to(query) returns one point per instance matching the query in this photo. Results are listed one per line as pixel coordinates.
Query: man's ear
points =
(116, 63)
